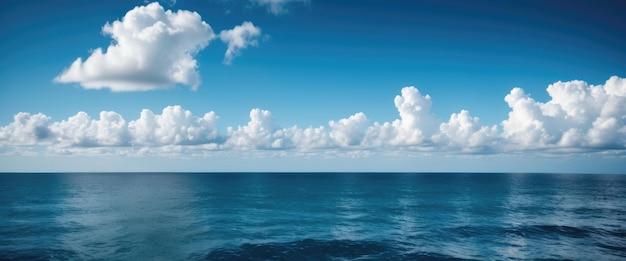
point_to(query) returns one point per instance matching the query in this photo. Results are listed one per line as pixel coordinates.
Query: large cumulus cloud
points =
(579, 117)
(153, 48)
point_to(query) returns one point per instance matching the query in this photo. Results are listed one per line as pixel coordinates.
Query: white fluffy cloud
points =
(111, 130)
(464, 132)
(578, 117)
(174, 126)
(348, 132)
(412, 129)
(309, 138)
(25, 129)
(415, 121)
(260, 133)
(154, 48)
(239, 38)
(276, 7)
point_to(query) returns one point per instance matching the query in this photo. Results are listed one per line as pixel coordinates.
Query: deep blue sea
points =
(312, 216)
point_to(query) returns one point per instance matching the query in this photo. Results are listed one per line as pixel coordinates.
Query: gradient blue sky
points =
(322, 60)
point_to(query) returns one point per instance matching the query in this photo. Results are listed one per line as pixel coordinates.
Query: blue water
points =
(312, 216)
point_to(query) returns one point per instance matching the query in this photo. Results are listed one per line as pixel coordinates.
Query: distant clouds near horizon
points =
(579, 118)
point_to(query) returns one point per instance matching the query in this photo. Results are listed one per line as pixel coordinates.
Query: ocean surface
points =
(312, 216)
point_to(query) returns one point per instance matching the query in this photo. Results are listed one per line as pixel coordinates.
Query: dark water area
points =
(312, 216)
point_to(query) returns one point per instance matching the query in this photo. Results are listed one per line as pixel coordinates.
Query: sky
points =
(313, 85)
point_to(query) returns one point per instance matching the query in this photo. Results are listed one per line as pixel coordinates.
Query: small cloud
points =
(350, 131)
(274, 7)
(239, 38)
(152, 49)
(260, 133)
(464, 132)
(277, 7)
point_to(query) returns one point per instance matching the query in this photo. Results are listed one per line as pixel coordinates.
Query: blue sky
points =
(305, 63)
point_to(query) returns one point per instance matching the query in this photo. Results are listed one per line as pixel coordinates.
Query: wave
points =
(312, 249)
(534, 231)
(39, 254)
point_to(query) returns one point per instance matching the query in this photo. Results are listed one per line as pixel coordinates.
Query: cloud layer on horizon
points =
(579, 117)
(154, 48)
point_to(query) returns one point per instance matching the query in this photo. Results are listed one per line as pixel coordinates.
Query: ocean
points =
(312, 216)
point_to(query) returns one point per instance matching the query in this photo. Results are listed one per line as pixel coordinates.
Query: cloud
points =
(26, 129)
(257, 134)
(174, 126)
(276, 7)
(111, 130)
(579, 117)
(415, 121)
(413, 128)
(261, 132)
(239, 38)
(348, 132)
(309, 138)
(152, 49)
(464, 132)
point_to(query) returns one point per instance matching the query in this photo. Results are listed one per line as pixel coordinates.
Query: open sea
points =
(312, 216)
